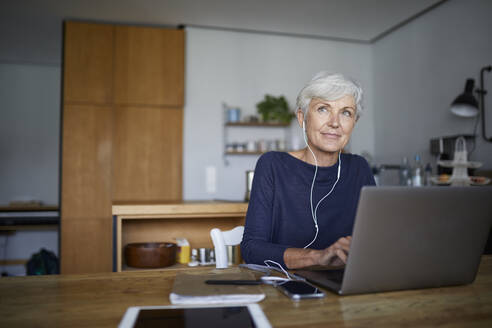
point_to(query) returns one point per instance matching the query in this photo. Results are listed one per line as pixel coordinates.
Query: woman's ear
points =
(300, 117)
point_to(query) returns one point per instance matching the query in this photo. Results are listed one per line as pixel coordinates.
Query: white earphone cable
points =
(278, 264)
(314, 211)
(314, 177)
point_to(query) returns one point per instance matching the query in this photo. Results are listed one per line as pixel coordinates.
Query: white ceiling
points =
(355, 20)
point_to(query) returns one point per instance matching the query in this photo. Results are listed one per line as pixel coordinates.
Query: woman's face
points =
(329, 124)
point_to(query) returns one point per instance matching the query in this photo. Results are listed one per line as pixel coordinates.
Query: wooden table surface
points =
(99, 300)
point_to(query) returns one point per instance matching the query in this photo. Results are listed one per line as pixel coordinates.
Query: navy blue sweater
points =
(279, 212)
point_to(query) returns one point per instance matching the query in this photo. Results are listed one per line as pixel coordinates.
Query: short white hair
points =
(330, 86)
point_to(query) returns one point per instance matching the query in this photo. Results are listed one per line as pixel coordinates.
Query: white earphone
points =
(313, 211)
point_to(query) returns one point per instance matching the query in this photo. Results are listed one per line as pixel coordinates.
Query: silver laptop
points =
(409, 238)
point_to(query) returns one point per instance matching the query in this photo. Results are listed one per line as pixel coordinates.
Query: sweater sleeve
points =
(257, 245)
(368, 176)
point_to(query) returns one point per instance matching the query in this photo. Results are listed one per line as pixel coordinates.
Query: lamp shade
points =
(465, 105)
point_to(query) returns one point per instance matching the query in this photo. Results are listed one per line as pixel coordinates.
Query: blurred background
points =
(412, 59)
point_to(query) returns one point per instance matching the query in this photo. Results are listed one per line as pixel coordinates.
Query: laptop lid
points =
(407, 238)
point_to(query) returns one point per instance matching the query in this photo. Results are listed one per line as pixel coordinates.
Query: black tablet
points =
(237, 316)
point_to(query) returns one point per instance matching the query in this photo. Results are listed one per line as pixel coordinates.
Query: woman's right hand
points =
(336, 254)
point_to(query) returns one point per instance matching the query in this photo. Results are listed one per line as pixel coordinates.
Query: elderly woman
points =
(303, 203)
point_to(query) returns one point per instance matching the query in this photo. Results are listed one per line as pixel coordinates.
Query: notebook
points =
(410, 238)
(190, 288)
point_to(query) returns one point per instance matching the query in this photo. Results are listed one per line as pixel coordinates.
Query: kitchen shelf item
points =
(460, 164)
(150, 255)
(252, 147)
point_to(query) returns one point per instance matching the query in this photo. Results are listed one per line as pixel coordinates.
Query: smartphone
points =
(297, 289)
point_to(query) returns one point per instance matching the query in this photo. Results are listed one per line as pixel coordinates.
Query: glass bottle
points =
(427, 174)
(405, 179)
(417, 173)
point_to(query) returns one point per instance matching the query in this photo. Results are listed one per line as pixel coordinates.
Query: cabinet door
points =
(86, 162)
(86, 189)
(147, 154)
(149, 66)
(88, 63)
(86, 246)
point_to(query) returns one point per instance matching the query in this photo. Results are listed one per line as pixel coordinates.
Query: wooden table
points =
(99, 300)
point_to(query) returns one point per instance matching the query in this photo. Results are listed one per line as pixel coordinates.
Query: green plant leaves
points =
(274, 109)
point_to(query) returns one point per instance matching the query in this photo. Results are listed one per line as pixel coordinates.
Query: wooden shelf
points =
(256, 139)
(249, 152)
(164, 222)
(177, 266)
(258, 124)
(28, 208)
(28, 227)
(181, 209)
(244, 152)
(14, 262)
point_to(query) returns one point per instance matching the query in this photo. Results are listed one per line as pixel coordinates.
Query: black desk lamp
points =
(465, 105)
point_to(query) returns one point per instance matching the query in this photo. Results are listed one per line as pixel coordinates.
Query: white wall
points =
(29, 151)
(239, 69)
(29, 133)
(420, 69)
(21, 245)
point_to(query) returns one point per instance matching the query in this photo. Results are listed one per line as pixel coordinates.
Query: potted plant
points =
(274, 109)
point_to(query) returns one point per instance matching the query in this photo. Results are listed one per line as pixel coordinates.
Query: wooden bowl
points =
(150, 255)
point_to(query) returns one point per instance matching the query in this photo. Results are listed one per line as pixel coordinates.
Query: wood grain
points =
(86, 162)
(100, 300)
(187, 208)
(86, 246)
(88, 63)
(149, 66)
(86, 190)
(147, 154)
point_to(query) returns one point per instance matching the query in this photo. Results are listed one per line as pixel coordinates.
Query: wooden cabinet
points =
(88, 63)
(149, 66)
(86, 189)
(86, 162)
(86, 245)
(122, 131)
(147, 154)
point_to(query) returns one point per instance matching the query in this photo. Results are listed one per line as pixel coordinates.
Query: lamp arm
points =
(482, 93)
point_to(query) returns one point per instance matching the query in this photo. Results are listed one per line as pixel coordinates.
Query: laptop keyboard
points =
(333, 275)
(319, 276)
